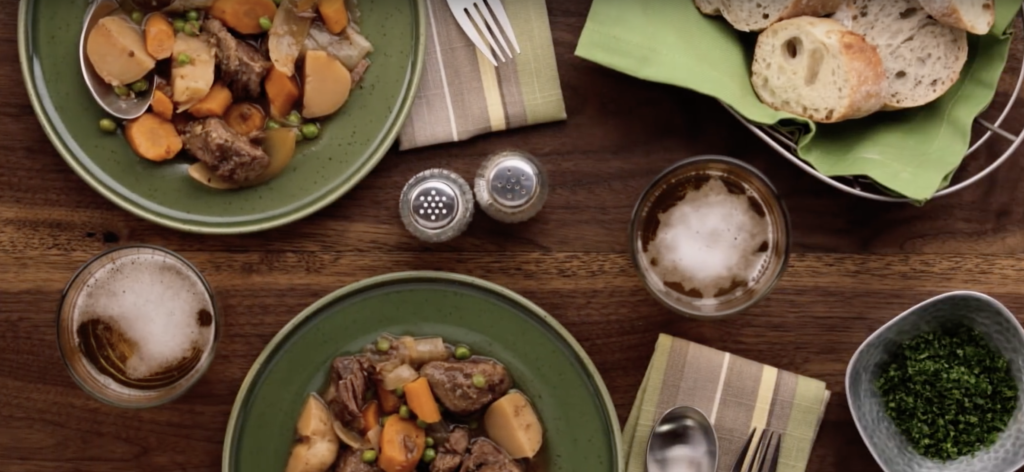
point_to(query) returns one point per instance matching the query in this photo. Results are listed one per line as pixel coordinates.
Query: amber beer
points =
(137, 326)
(710, 237)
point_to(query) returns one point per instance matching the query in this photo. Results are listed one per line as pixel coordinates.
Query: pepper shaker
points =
(436, 205)
(511, 186)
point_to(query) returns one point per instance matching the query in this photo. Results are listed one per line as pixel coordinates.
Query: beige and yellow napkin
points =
(735, 393)
(462, 95)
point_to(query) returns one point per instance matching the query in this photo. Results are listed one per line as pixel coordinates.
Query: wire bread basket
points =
(990, 123)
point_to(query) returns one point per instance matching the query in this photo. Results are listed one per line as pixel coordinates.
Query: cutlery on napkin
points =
(737, 394)
(462, 95)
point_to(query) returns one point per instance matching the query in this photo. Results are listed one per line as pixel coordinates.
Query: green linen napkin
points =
(735, 393)
(911, 152)
(462, 95)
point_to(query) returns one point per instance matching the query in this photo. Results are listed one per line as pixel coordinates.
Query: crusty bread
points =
(818, 69)
(709, 7)
(975, 16)
(923, 58)
(756, 15)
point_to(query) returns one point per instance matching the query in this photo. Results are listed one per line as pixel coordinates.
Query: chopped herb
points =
(948, 392)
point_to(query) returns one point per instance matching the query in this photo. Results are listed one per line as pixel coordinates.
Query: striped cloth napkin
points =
(735, 393)
(462, 95)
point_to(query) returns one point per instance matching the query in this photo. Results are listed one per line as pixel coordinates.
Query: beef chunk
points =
(242, 65)
(231, 156)
(351, 460)
(449, 455)
(485, 456)
(452, 382)
(350, 378)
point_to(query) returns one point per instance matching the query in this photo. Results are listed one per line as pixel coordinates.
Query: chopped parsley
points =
(949, 392)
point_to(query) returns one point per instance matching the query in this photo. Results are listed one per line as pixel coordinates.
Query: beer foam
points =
(709, 241)
(154, 300)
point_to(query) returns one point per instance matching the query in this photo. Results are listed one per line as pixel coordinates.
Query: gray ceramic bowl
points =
(885, 442)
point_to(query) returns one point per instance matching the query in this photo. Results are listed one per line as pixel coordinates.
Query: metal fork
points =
(766, 456)
(476, 15)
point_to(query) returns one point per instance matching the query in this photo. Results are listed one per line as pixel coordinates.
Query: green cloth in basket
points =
(911, 152)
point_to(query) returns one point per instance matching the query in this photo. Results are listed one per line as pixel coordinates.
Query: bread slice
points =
(709, 7)
(756, 15)
(923, 58)
(975, 16)
(818, 69)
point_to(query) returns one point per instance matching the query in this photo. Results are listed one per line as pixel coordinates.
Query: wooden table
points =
(856, 264)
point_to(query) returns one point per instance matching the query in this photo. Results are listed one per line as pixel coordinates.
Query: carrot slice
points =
(152, 137)
(371, 416)
(389, 402)
(282, 92)
(162, 105)
(421, 400)
(243, 16)
(401, 445)
(214, 104)
(159, 36)
(334, 14)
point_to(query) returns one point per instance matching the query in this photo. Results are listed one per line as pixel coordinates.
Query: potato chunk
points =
(317, 446)
(512, 423)
(117, 51)
(192, 77)
(327, 84)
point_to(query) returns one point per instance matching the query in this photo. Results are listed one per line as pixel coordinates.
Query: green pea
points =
(403, 412)
(369, 456)
(191, 15)
(462, 353)
(422, 424)
(192, 28)
(271, 124)
(137, 16)
(294, 118)
(121, 91)
(265, 23)
(107, 125)
(277, 2)
(184, 59)
(479, 381)
(400, 392)
(140, 86)
(310, 131)
(429, 454)
(383, 345)
(430, 442)
(298, 136)
(179, 25)
(383, 419)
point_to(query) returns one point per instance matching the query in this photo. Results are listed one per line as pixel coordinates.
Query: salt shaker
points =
(436, 205)
(511, 186)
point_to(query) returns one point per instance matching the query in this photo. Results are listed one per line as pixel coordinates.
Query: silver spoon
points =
(123, 108)
(683, 440)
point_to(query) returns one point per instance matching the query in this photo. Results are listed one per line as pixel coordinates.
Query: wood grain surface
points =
(856, 263)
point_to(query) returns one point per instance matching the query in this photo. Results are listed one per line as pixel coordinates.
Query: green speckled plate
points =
(581, 428)
(351, 144)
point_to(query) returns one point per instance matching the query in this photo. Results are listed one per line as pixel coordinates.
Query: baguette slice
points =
(818, 69)
(922, 57)
(709, 7)
(757, 15)
(974, 16)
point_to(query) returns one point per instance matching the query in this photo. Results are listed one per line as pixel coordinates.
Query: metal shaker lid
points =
(511, 186)
(436, 205)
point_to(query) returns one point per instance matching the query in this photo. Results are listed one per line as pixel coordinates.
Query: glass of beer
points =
(709, 237)
(137, 326)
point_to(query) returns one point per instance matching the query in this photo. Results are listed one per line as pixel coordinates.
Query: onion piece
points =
(373, 437)
(349, 437)
(287, 36)
(428, 349)
(402, 375)
(349, 47)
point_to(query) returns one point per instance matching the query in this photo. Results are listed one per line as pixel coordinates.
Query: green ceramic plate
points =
(581, 428)
(351, 143)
